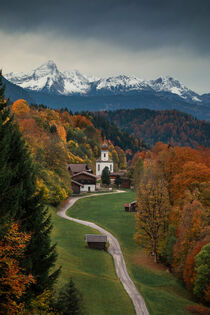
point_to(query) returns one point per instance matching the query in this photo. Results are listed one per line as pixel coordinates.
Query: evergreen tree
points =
(105, 176)
(69, 300)
(20, 202)
(118, 181)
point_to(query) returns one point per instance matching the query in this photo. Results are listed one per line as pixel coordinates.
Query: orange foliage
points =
(13, 280)
(189, 272)
(191, 224)
(20, 108)
(191, 172)
(61, 132)
(81, 122)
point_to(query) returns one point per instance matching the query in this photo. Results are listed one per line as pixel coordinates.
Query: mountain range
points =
(49, 86)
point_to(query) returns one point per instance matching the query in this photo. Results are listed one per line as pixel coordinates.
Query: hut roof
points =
(95, 238)
(126, 205)
(77, 168)
(76, 183)
(85, 173)
(133, 202)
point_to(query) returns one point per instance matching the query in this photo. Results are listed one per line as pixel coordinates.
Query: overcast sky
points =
(147, 38)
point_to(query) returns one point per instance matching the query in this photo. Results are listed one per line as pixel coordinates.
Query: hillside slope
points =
(169, 126)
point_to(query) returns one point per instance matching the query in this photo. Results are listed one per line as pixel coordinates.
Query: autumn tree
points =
(137, 173)
(153, 213)
(202, 263)
(14, 280)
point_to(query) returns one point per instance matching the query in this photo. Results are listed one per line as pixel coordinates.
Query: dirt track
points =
(115, 250)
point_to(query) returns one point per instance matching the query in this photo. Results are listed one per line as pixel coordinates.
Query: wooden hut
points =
(96, 241)
(131, 207)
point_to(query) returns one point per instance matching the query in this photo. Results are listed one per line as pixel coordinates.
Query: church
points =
(104, 160)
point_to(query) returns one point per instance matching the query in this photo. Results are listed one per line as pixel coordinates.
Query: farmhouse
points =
(83, 182)
(96, 241)
(131, 207)
(104, 160)
(77, 168)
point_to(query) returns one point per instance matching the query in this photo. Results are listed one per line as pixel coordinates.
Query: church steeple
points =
(104, 152)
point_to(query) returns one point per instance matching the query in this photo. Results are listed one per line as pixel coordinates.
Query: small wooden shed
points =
(131, 207)
(96, 241)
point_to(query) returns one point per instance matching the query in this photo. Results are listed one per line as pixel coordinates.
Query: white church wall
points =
(102, 166)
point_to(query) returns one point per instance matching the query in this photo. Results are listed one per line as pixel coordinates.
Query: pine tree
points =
(105, 176)
(20, 202)
(69, 301)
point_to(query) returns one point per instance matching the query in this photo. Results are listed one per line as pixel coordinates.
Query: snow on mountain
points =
(168, 84)
(48, 79)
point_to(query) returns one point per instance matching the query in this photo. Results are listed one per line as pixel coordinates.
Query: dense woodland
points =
(168, 126)
(171, 182)
(173, 218)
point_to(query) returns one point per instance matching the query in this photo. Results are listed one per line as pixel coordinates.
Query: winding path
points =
(115, 250)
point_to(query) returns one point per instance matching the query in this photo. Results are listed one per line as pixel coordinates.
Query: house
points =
(77, 168)
(131, 207)
(76, 186)
(125, 181)
(96, 241)
(104, 160)
(83, 182)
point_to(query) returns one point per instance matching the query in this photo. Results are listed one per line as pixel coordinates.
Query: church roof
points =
(100, 160)
(104, 146)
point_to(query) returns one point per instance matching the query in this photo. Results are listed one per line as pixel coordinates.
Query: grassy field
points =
(163, 293)
(92, 270)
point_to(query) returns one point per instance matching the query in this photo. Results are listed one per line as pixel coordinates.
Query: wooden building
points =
(76, 186)
(125, 182)
(78, 168)
(131, 207)
(85, 180)
(96, 241)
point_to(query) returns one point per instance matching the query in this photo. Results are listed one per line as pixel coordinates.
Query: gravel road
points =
(115, 250)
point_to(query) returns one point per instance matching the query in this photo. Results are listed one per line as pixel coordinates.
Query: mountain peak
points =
(48, 66)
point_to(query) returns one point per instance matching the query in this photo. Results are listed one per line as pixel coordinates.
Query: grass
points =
(92, 270)
(163, 293)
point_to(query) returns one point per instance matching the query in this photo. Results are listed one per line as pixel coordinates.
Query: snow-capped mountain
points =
(49, 80)
(168, 84)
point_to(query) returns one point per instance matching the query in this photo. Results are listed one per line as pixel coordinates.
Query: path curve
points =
(115, 250)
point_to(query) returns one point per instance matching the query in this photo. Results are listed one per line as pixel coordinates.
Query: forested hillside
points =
(168, 126)
(57, 138)
(174, 187)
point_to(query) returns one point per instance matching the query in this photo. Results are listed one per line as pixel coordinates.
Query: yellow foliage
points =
(20, 107)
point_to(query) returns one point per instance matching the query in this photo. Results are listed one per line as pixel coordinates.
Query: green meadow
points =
(163, 293)
(92, 270)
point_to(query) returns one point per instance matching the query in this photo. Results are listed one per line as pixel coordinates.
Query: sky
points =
(146, 38)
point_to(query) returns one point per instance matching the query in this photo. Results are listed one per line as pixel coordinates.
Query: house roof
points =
(95, 238)
(76, 183)
(133, 202)
(77, 168)
(83, 172)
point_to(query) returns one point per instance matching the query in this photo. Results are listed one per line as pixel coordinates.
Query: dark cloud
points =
(136, 25)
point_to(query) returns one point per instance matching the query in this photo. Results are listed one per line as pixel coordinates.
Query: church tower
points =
(104, 160)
